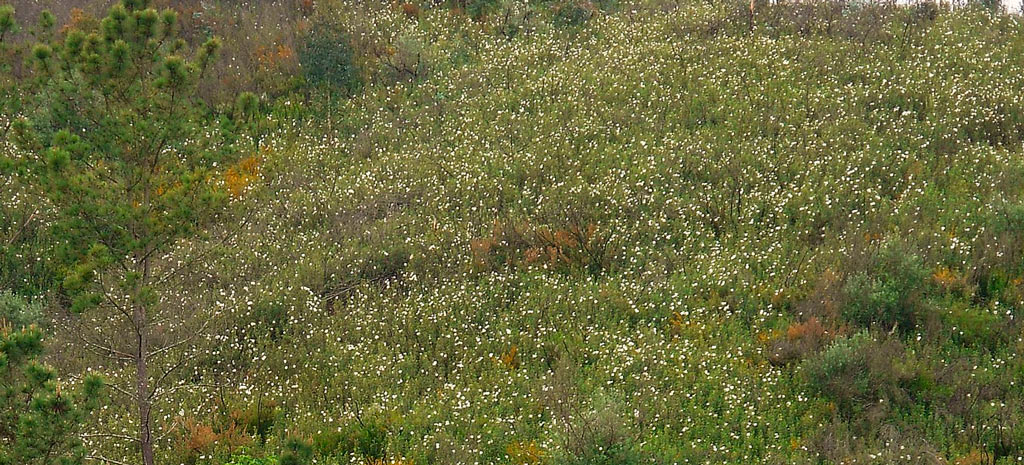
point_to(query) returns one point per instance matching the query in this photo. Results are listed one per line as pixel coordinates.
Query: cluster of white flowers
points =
(724, 172)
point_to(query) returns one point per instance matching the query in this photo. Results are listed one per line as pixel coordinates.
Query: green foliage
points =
(116, 146)
(560, 232)
(40, 423)
(297, 452)
(115, 132)
(270, 320)
(888, 292)
(606, 443)
(977, 327)
(327, 59)
(249, 460)
(860, 372)
(7, 23)
(479, 9)
(367, 439)
(17, 312)
(573, 13)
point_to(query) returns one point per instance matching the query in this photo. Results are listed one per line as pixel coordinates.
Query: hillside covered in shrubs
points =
(511, 232)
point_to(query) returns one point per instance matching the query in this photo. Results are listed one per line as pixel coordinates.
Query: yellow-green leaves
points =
(147, 23)
(73, 43)
(120, 57)
(7, 23)
(208, 51)
(246, 105)
(174, 72)
(169, 20)
(42, 52)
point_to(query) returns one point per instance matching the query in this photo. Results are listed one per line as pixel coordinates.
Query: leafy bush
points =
(327, 59)
(17, 312)
(888, 292)
(972, 326)
(573, 12)
(367, 439)
(250, 460)
(860, 372)
(269, 319)
(297, 452)
(476, 9)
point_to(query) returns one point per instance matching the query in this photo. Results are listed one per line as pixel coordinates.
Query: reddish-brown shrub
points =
(411, 11)
(802, 340)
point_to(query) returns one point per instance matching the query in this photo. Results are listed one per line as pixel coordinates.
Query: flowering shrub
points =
(673, 232)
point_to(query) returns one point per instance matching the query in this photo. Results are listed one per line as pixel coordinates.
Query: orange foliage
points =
(273, 57)
(80, 20)
(559, 245)
(376, 461)
(525, 453)
(532, 255)
(510, 358)
(233, 437)
(410, 10)
(974, 457)
(872, 237)
(765, 337)
(946, 278)
(238, 177)
(200, 437)
(801, 340)
(810, 329)
(526, 244)
(481, 248)
(779, 298)
(676, 325)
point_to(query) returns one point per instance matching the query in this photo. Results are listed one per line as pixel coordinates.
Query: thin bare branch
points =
(99, 458)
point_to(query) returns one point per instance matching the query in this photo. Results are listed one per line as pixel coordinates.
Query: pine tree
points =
(40, 424)
(22, 269)
(9, 90)
(119, 147)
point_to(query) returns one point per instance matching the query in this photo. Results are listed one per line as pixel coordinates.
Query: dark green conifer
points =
(40, 423)
(119, 147)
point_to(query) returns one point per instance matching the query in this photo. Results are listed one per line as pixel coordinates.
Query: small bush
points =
(19, 312)
(334, 444)
(976, 327)
(476, 9)
(257, 419)
(384, 265)
(297, 452)
(573, 12)
(801, 340)
(270, 320)
(327, 58)
(859, 372)
(888, 292)
(249, 460)
(368, 440)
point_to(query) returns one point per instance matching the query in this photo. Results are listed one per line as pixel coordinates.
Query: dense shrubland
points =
(483, 231)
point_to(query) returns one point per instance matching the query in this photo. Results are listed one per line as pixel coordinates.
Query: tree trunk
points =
(142, 386)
